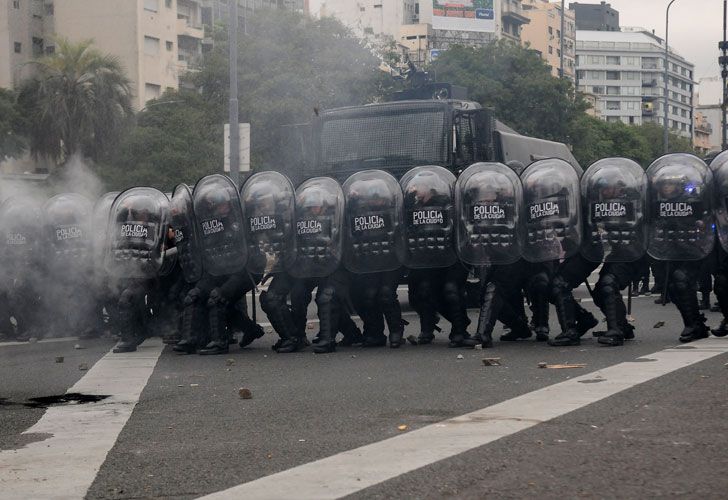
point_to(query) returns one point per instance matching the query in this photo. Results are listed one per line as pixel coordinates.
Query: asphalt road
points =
(191, 434)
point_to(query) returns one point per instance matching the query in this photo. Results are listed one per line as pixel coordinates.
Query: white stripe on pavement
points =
(65, 465)
(354, 470)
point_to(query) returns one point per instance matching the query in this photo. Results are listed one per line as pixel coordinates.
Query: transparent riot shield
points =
(489, 199)
(429, 211)
(319, 223)
(552, 207)
(269, 202)
(614, 200)
(373, 226)
(681, 206)
(137, 233)
(67, 234)
(186, 239)
(20, 238)
(220, 223)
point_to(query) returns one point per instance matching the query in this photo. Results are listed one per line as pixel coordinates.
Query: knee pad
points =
(217, 299)
(192, 297)
(680, 281)
(271, 300)
(451, 293)
(557, 287)
(325, 296)
(606, 286)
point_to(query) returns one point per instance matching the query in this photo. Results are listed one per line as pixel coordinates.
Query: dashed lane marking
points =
(360, 468)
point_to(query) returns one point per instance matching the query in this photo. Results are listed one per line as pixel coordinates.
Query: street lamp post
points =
(233, 115)
(561, 42)
(665, 137)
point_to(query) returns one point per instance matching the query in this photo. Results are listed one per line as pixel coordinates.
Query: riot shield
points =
(269, 208)
(614, 198)
(137, 233)
(219, 218)
(489, 197)
(186, 239)
(552, 210)
(720, 160)
(373, 227)
(20, 237)
(67, 234)
(100, 226)
(319, 223)
(429, 211)
(681, 201)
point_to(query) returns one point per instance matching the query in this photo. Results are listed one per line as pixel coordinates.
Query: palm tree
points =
(77, 102)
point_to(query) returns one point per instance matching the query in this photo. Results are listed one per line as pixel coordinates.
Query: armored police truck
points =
(443, 128)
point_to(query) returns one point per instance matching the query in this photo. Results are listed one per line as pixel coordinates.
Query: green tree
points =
(517, 84)
(12, 143)
(177, 138)
(77, 102)
(291, 66)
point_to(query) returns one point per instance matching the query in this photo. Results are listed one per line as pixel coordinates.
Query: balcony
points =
(514, 14)
(649, 83)
(184, 28)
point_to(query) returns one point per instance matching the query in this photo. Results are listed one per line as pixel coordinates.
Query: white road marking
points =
(354, 470)
(65, 464)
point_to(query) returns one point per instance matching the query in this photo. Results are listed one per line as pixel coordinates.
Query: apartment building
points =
(595, 16)
(155, 40)
(625, 70)
(712, 116)
(703, 130)
(543, 33)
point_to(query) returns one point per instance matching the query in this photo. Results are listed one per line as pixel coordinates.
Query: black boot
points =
(251, 334)
(128, 342)
(686, 301)
(585, 320)
(351, 334)
(704, 301)
(519, 328)
(722, 330)
(489, 309)
(609, 301)
(218, 328)
(569, 335)
(191, 325)
(328, 313)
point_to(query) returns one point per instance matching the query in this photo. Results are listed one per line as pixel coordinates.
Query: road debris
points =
(402, 427)
(491, 361)
(460, 356)
(83, 367)
(78, 346)
(59, 359)
(245, 393)
(194, 385)
(561, 366)
(230, 362)
(659, 324)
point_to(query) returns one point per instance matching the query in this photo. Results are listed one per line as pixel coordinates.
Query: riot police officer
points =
(374, 252)
(681, 233)
(436, 278)
(614, 196)
(136, 244)
(719, 167)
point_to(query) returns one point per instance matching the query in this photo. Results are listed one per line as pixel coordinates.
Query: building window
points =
(558, 34)
(551, 30)
(151, 46)
(580, 74)
(595, 75)
(613, 105)
(170, 45)
(598, 89)
(683, 127)
(152, 91)
(613, 60)
(630, 75)
(558, 52)
(683, 113)
(595, 59)
(629, 61)
(551, 49)
(50, 49)
(613, 119)
(612, 90)
(631, 120)
(49, 9)
(168, 4)
(18, 47)
(151, 5)
(613, 75)
(16, 4)
(37, 47)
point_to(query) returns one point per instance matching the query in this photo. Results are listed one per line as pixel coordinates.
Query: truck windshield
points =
(413, 137)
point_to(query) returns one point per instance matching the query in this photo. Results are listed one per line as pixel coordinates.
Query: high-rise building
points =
(543, 34)
(595, 16)
(154, 40)
(626, 71)
(24, 34)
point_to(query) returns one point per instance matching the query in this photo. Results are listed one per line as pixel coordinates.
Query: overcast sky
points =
(696, 26)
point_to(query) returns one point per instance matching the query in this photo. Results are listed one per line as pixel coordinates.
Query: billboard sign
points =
(463, 15)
